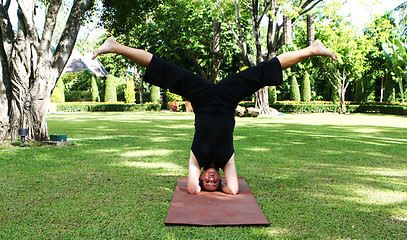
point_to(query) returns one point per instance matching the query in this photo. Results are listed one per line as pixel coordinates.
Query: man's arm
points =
(232, 183)
(194, 171)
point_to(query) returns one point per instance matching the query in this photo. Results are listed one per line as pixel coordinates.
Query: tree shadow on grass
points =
(329, 181)
(319, 181)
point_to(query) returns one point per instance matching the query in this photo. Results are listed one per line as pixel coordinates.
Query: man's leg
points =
(238, 86)
(289, 59)
(161, 73)
(138, 56)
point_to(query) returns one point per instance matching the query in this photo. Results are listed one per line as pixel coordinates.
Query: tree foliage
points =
(181, 32)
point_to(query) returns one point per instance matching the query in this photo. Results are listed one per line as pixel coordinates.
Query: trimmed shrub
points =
(100, 82)
(58, 95)
(155, 94)
(295, 90)
(106, 107)
(272, 94)
(311, 107)
(110, 89)
(306, 88)
(323, 107)
(129, 94)
(95, 90)
(384, 108)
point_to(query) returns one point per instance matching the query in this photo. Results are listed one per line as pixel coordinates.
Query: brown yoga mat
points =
(214, 208)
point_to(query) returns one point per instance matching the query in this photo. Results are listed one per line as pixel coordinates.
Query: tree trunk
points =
(310, 29)
(4, 118)
(29, 72)
(262, 97)
(141, 90)
(216, 50)
(287, 31)
(343, 105)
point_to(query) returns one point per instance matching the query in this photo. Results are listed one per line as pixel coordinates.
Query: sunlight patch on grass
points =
(257, 149)
(350, 139)
(323, 136)
(153, 165)
(273, 232)
(379, 197)
(109, 150)
(297, 131)
(331, 151)
(366, 130)
(236, 138)
(377, 154)
(385, 172)
(146, 153)
(161, 139)
(93, 137)
(177, 126)
(401, 219)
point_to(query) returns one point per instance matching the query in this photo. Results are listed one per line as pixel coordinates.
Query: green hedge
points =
(384, 108)
(107, 107)
(323, 107)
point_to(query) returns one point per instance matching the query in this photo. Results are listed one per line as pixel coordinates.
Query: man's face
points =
(210, 179)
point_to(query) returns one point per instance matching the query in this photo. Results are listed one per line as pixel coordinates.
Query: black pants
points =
(213, 104)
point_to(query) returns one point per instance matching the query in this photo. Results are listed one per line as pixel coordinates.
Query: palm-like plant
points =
(395, 52)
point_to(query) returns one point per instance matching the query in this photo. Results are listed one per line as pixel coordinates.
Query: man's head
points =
(210, 179)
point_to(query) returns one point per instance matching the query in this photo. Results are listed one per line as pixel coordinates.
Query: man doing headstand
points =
(214, 106)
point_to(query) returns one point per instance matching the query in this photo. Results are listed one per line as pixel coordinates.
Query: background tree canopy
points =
(182, 31)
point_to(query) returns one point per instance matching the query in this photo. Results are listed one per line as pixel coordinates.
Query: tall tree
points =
(264, 10)
(29, 69)
(351, 51)
(377, 80)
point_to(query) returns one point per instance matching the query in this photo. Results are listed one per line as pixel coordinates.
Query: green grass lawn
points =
(321, 176)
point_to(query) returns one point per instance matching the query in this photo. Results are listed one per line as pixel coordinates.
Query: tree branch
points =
(228, 23)
(7, 5)
(27, 20)
(239, 39)
(49, 27)
(329, 78)
(308, 9)
(69, 35)
(266, 9)
(4, 61)
(5, 26)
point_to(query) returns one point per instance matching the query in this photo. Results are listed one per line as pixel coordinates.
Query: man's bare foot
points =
(321, 50)
(107, 47)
